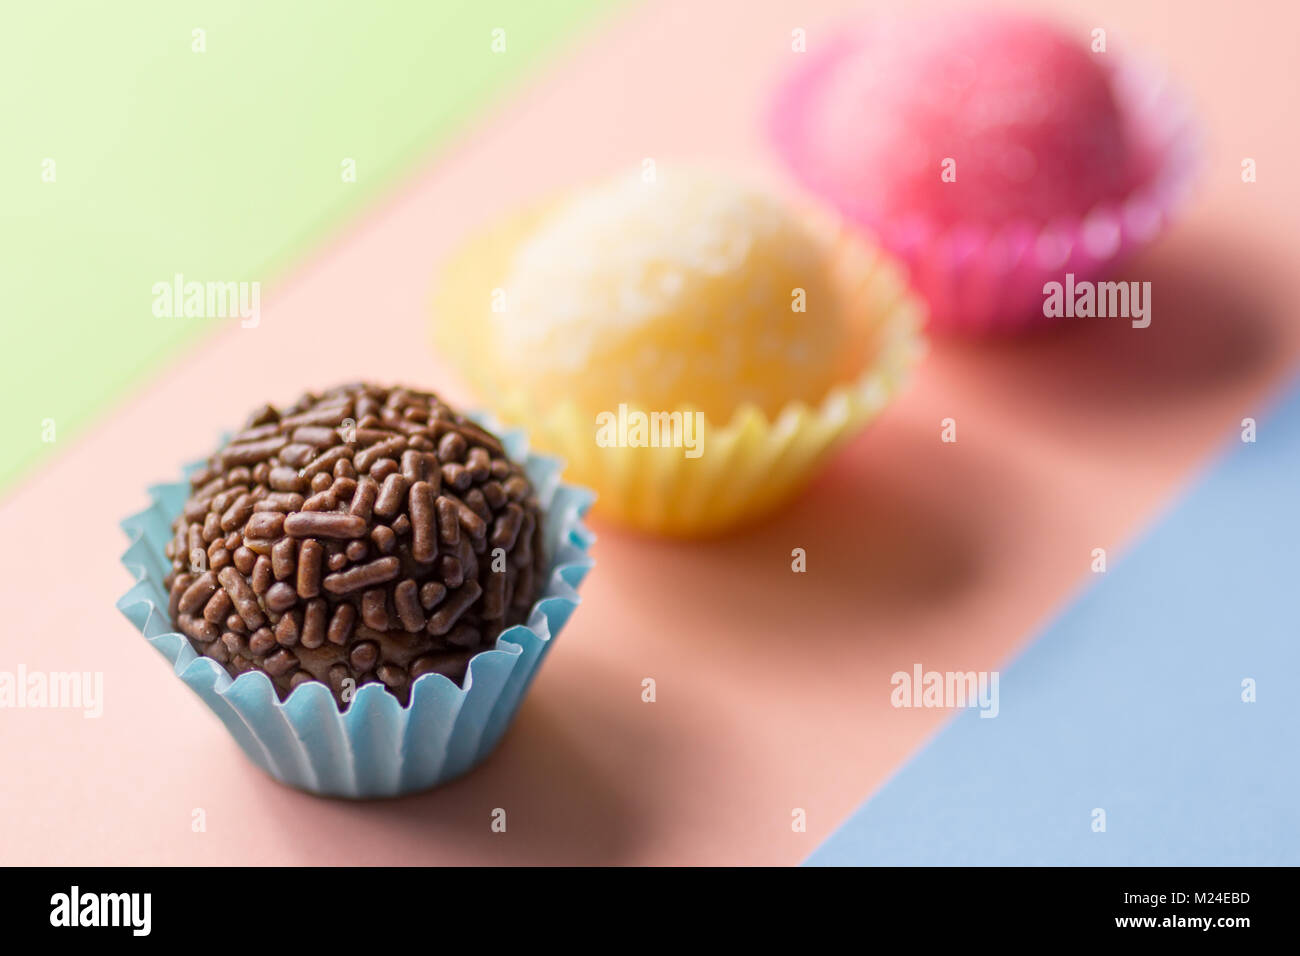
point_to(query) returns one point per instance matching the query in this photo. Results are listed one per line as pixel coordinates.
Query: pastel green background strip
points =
(127, 156)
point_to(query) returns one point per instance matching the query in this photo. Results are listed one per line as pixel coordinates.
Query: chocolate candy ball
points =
(363, 534)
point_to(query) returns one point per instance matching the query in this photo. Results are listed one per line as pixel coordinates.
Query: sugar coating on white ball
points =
(691, 289)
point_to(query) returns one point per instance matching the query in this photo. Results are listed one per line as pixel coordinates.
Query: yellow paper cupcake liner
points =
(749, 465)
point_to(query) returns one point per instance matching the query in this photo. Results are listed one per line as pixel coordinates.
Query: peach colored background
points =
(773, 688)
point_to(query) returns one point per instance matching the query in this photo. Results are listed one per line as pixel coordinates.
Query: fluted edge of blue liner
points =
(376, 747)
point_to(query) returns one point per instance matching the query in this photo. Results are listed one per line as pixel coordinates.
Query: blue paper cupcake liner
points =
(377, 747)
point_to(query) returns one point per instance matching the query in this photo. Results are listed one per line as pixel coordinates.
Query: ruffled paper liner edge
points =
(752, 464)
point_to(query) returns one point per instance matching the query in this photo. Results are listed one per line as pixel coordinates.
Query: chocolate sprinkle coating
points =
(361, 535)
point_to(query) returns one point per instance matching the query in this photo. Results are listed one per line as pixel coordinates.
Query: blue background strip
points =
(1131, 702)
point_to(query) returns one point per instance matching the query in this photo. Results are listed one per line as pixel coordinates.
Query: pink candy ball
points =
(1019, 116)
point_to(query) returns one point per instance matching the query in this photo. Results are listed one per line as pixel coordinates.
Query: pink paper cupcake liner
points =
(978, 278)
